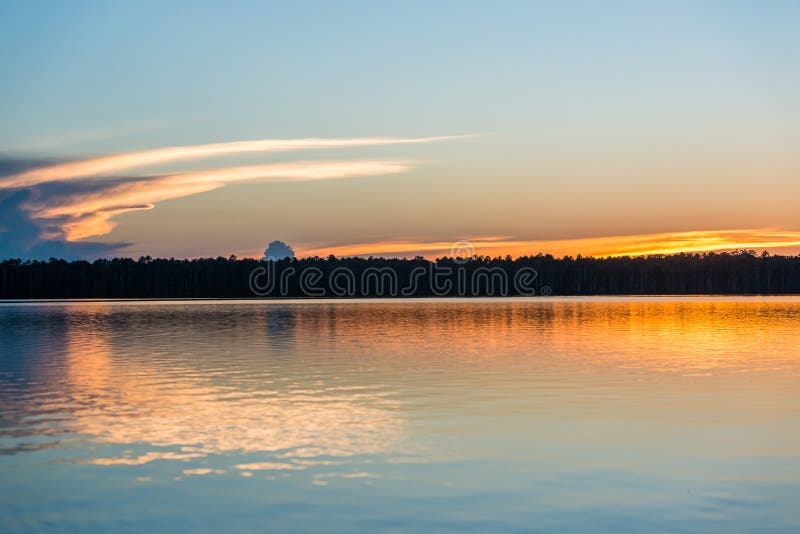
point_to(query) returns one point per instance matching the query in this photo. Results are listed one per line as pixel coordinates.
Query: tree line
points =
(740, 272)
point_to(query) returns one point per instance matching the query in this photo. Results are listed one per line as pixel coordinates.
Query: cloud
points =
(50, 206)
(116, 163)
(21, 236)
(10, 166)
(48, 219)
(87, 211)
(625, 245)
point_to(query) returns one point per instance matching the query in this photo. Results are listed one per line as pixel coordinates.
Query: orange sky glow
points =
(772, 240)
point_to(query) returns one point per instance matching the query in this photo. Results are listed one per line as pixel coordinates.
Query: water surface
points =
(643, 414)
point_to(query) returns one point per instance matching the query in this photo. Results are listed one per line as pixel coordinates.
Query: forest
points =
(740, 272)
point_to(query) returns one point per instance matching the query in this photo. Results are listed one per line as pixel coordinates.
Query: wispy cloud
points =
(116, 163)
(49, 207)
(86, 213)
(623, 245)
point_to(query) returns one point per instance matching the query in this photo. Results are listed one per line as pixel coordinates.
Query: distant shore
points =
(736, 273)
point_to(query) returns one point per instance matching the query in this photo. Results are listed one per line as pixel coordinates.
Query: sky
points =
(194, 129)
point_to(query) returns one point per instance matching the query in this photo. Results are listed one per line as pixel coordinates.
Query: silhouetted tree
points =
(740, 272)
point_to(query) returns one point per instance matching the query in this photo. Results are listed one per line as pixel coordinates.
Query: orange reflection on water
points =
(300, 382)
(679, 335)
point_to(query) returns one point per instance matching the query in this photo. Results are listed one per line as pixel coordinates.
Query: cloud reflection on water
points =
(182, 403)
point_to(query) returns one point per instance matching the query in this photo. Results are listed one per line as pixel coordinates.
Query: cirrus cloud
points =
(49, 207)
(85, 214)
(116, 163)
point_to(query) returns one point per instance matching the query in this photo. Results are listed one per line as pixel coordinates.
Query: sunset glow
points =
(530, 142)
(418, 266)
(630, 245)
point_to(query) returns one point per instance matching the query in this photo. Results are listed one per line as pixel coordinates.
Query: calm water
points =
(546, 415)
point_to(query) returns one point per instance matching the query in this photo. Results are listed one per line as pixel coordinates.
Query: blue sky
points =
(601, 115)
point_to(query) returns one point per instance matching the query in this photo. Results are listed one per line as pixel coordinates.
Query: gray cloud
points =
(23, 237)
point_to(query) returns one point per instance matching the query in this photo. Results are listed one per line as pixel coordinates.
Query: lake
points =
(542, 414)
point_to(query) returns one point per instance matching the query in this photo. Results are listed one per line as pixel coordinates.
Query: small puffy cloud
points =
(277, 250)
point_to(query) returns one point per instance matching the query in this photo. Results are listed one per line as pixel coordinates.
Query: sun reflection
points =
(654, 335)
